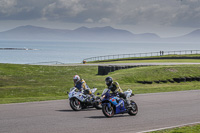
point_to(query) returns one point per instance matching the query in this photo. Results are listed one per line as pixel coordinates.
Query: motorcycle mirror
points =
(67, 92)
(98, 93)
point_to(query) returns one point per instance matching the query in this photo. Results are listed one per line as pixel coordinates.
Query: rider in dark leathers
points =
(116, 90)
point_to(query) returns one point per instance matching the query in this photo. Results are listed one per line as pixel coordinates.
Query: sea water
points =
(75, 52)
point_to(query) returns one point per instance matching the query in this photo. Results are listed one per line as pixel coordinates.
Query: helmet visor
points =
(75, 81)
(108, 83)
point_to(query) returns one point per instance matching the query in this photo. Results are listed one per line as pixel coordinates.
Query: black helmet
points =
(109, 81)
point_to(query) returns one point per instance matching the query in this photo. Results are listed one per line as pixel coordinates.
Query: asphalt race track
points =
(157, 110)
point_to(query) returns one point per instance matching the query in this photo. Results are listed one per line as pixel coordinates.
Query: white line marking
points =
(194, 123)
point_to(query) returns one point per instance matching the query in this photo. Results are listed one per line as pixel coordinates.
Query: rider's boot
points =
(87, 98)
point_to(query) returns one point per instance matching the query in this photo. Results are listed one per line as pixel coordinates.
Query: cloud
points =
(104, 20)
(63, 8)
(19, 10)
(78, 11)
(188, 14)
(89, 20)
(185, 13)
(6, 6)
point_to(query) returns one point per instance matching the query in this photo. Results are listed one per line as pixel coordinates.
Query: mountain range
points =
(107, 33)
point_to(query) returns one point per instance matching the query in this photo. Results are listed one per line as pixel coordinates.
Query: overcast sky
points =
(163, 17)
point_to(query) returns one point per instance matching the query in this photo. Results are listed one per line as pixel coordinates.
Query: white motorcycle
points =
(78, 100)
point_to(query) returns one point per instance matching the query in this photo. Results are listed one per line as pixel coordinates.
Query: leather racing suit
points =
(116, 90)
(81, 85)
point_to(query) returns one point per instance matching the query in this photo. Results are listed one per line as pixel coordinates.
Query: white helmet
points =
(76, 79)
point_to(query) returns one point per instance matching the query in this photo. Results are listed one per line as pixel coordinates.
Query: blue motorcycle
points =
(112, 104)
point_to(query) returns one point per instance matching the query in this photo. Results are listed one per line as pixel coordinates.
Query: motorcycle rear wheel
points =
(75, 104)
(134, 108)
(106, 111)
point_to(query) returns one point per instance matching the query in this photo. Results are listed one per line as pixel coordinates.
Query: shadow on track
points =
(71, 110)
(100, 117)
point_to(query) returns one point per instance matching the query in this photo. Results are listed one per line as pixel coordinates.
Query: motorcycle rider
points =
(81, 85)
(116, 90)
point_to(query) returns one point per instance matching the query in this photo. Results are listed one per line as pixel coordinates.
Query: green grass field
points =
(186, 129)
(24, 83)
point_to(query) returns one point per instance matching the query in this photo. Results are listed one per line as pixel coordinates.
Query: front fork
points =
(108, 104)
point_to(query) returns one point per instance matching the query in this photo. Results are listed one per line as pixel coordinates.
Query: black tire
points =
(97, 104)
(75, 104)
(106, 111)
(134, 109)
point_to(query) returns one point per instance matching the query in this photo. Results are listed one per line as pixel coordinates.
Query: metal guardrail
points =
(150, 54)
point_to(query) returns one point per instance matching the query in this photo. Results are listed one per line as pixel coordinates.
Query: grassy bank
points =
(186, 129)
(23, 83)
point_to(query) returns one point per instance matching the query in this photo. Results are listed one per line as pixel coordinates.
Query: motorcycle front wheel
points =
(108, 112)
(75, 104)
(97, 104)
(134, 109)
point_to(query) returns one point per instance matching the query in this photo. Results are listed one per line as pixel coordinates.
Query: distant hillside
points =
(33, 33)
(193, 36)
(80, 34)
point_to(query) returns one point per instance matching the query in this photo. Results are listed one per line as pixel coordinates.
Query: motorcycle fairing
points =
(119, 106)
(93, 90)
(77, 95)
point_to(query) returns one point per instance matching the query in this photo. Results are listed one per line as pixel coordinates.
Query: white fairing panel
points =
(128, 93)
(93, 90)
(77, 95)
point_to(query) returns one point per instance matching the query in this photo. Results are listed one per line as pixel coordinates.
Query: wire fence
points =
(150, 54)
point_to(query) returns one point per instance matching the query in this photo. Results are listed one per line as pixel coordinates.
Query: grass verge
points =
(25, 83)
(185, 129)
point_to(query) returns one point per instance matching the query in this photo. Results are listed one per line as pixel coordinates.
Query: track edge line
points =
(171, 127)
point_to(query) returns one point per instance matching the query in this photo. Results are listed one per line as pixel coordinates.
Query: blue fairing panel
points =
(120, 107)
(113, 100)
